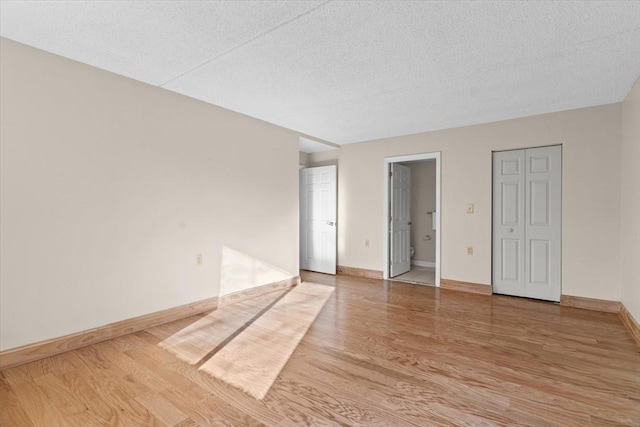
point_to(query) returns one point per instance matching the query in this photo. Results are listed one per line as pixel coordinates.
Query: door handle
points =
(331, 223)
(510, 230)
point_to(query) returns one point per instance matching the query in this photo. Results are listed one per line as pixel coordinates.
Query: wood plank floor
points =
(379, 353)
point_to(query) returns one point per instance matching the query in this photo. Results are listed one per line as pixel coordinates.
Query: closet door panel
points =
(543, 229)
(508, 222)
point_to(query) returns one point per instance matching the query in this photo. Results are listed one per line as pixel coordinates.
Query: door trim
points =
(387, 161)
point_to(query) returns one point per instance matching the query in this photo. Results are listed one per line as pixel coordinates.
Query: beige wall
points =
(304, 158)
(591, 195)
(110, 187)
(630, 209)
(423, 200)
(324, 158)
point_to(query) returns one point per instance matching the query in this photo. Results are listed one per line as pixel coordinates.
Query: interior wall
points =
(324, 158)
(423, 200)
(303, 158)
(591, 195)
(111, 187)
(630, 198)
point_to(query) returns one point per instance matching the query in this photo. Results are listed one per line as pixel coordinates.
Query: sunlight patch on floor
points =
(253, 360)
(246, 344)
(192, 343)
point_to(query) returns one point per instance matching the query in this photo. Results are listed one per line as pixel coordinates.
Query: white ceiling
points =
(310, 146)
(347, 71)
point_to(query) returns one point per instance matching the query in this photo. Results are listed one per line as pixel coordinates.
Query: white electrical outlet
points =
(470, 208)
(199, 259)
(366, 242)
(469, 250)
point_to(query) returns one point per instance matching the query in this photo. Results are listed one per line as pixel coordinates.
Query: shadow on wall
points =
(240, 271)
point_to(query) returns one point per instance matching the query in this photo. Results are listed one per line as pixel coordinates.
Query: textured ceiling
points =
(347, 71)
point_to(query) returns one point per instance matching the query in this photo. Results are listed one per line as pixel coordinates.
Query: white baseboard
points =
(423, 263)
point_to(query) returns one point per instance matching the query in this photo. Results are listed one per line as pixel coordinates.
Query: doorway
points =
(411, 218)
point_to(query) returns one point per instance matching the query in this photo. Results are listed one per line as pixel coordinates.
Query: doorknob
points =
(331, 223)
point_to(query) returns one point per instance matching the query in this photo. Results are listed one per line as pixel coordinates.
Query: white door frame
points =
(385, 227)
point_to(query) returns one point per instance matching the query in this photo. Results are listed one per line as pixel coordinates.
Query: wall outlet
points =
(366, 243)
(469, 250)
(470, 208)
(199, 259)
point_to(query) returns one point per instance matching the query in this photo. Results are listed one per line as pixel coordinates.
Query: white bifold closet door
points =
(527, 222)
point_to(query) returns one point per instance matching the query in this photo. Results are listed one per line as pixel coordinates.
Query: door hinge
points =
(390, 173)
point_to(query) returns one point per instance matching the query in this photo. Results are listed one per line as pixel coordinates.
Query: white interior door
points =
(527, 222)
(318, 213)
(543, 215)
(400, 220)
(508, 222)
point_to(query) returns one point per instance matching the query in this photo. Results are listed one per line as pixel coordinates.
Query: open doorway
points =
(411, 218)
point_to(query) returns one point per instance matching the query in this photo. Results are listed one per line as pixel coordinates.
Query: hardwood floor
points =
(379, 353)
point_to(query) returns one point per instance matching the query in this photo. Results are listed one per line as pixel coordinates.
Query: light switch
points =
(469, 208)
